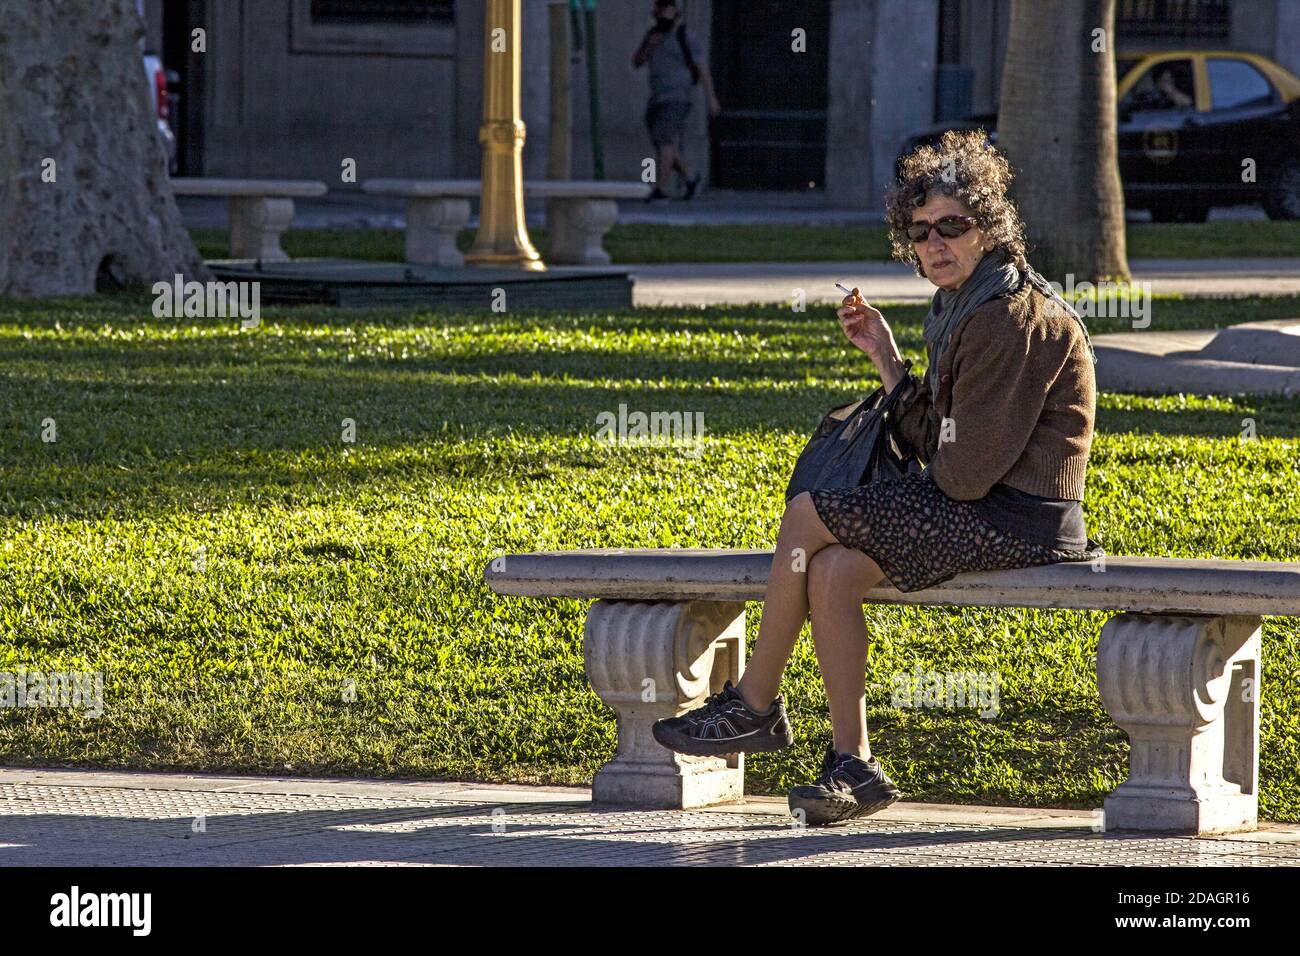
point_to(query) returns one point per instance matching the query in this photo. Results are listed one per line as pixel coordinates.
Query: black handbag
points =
(855, 445)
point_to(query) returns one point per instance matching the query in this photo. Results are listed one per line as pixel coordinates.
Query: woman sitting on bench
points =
(1003, 421)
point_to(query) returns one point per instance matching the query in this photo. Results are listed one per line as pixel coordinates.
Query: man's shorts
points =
(667, 122)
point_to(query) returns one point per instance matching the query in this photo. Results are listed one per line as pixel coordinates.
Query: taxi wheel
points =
(1283, 200)
(1180, 212)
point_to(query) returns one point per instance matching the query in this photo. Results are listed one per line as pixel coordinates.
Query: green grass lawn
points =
(644, 243)
(263, 596)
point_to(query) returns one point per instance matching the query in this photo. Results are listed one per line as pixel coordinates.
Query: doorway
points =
(771, 134)
(180, 19)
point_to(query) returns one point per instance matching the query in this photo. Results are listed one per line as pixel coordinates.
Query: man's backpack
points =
(686, 53)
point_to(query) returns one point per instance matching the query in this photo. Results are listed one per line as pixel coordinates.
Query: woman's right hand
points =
(866, 327)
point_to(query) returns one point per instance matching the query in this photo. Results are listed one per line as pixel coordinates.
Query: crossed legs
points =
(812, 573)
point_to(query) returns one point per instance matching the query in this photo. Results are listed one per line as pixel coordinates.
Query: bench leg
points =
(432, 226)
(256, 224)
(1186, 689)
(653, 659)
(576, 229)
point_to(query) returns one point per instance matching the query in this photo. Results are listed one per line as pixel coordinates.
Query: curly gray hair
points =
(966, 167)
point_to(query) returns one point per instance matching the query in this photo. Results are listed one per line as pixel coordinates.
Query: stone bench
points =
(578, 215)
(260, 210)
(1178, 668)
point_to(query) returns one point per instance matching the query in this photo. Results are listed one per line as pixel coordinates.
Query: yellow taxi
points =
(1208, 128)
(1197, 129)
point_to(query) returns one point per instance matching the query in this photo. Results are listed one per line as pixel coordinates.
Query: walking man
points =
(676, 64)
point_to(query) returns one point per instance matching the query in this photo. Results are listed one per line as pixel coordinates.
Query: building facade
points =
(816, 94)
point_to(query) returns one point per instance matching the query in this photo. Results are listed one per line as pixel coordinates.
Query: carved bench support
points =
(256, 225)
(653, 659)
(1186, 689)
(577, 229)
(432, 226)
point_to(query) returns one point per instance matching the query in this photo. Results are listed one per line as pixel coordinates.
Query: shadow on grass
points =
(163, 420)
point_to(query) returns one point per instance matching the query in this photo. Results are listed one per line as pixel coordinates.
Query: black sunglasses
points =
(950, 227)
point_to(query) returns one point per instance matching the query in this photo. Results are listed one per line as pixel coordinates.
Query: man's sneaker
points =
(692, 185)
(847, 787)
(725, 725)
(657, 195)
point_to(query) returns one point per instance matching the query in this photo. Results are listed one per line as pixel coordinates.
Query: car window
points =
(1124, 66)
(1236, 83)
(1165, 86)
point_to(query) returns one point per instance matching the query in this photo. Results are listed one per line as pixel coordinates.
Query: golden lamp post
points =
(502, 238)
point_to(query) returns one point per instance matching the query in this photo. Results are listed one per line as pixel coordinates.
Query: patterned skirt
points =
(920, 537)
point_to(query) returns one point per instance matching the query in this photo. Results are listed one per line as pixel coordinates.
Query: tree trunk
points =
(85, 199)
(1056, 125)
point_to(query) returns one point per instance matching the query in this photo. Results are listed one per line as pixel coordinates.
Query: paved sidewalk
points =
(726, 283)
(87, 818)
(692, 284)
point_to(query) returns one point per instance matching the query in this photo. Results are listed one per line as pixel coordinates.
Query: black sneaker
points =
(847, 787)
(656, 195)
(725, 725)
(692, 185)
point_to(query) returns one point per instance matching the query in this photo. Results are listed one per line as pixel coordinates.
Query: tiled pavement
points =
(87, 818)
(735, 283)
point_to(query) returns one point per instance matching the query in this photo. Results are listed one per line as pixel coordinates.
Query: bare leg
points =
(679, 159)
(667, 163)
(785, 602)
(838, 579)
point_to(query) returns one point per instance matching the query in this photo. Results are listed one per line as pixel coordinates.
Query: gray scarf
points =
(994, 276)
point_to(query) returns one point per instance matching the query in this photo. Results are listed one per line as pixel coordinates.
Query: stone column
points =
(1286, 44)
(1186, 689)
(881, 91)
(653, 659)
(1268, 27)
(849, 103)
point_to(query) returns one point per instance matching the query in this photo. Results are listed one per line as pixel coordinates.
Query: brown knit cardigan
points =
(1018, 396)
